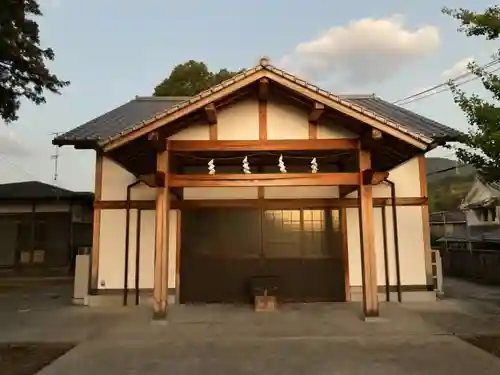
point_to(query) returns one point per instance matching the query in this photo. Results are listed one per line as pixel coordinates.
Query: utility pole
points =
(55, 157)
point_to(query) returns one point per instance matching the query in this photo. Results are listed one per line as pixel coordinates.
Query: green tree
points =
(190, 78)
(482, 142)
(23, 73)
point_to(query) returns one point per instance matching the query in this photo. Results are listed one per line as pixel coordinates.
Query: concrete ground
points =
(417, 338)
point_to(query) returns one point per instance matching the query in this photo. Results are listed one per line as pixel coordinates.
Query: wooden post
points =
(369, 265)
(96, 231)
(425, 219)
(160, 289)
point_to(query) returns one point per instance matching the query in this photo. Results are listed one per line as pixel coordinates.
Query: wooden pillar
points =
(368, 262)
(425, 220)
(96, 224)
(160, 289)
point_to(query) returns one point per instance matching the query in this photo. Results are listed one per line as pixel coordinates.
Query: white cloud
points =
(9, 144)
(459, 68)
(365, 51)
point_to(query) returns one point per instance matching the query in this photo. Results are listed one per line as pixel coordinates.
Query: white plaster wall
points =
(221, 193)
(198, 131)
(301, 192)
(406, 177)
(411, 246)
(472, 218)
(115, 180)
(239, 121)
(112, 249)
(286, 121)
(328, 130)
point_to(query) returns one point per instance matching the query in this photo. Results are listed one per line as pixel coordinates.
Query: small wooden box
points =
(39, 256)
(25, 257)
(265, 303)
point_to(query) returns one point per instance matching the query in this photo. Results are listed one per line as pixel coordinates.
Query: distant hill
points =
(447, 189)
(439, 164)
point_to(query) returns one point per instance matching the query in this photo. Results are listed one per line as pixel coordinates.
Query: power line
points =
(444, 86)
(445, 89)
(448, 169)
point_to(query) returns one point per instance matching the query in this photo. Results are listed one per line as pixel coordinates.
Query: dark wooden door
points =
(223, 249)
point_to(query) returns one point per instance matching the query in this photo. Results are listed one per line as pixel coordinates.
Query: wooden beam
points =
(263, 89)
(157, 141)
(261, 202)
(265, 145)
(378, 177)
(277, 204)
(264, 179)
(376, 134)
(262, 120)
(368, 261)
(121, 205)
(211, 113)
(313, 130)
(316, 112)
(160, 287)
(425, 220)
(94, 261)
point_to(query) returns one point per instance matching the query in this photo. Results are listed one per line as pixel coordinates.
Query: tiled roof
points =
(412, 120)
(119, 120)
(142, 111)
(33, 190)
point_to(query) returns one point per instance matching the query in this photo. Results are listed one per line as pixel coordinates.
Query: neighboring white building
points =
(199, 236)
(482, 203)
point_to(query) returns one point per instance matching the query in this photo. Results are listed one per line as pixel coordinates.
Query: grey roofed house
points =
(140, 111)
(447, 217)
(475, 233)
(42, 225)
(36, 190)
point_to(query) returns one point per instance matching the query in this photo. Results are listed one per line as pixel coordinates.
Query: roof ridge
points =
(162, 98)
(358, 96)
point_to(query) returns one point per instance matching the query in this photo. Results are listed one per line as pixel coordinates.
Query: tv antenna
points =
(55, 156)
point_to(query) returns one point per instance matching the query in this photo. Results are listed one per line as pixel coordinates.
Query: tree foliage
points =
(482, 142)
(23, 73)
(190, 78)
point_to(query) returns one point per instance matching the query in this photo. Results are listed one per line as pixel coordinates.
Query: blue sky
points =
(115, 49)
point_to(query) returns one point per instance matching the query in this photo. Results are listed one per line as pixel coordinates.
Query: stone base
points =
(80, 301)
(96, 300)
(375, 319)
(356, 295)
(160, 317)
(265, 303)
(106, 297)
